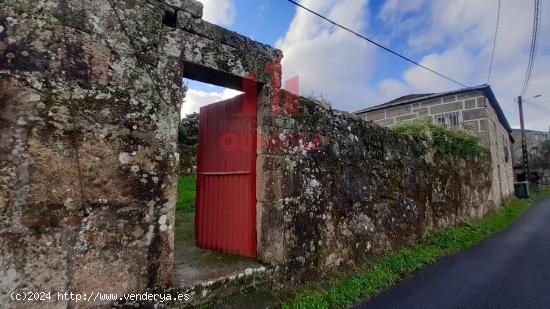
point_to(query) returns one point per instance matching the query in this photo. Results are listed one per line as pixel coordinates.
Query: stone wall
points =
(502, 188)
(472, 108)
(338, 190)
(89, 103)
(475, 115)
(89, 99)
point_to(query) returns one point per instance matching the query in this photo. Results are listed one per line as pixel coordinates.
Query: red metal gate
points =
(225, 217)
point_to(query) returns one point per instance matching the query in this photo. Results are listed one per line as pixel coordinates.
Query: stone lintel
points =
(474, 114)
(224, 36)
(445, 108)
(192, 7)
(376, 115)
(210, 61)
(398, 110)
(385, 122)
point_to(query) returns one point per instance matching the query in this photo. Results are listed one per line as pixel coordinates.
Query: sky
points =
(454, 38)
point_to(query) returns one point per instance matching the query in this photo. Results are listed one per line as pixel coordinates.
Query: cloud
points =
(451, 37)
(394, 10)
(195, 99)
(451, 60)
(219, 12)
(464, 31)
(328, 60)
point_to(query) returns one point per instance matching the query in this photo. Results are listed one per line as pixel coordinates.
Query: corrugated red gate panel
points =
(225, 217)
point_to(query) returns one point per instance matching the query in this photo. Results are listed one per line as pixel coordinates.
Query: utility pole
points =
(524, 155)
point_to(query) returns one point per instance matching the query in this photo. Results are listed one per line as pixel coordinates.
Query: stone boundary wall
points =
(89, 102)
(354, 192)
(90, 92)
(475, 115)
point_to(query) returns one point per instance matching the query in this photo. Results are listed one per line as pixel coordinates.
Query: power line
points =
(375, 43)
(533, 48)
(494, 44)
(534, 44)
(539, 107)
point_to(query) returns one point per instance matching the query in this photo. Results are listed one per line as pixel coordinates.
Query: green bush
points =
(442, 140)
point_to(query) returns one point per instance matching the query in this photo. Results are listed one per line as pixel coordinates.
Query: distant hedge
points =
(442, 140)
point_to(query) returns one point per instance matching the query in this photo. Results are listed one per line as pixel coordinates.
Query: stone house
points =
(475, 109)
(533, 140)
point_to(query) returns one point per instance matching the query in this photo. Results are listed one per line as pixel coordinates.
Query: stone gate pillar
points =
(89, 104)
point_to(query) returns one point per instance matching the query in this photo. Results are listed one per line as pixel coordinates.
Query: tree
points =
(188, 130)
(188, 139)
(540, 158)
(539, 161)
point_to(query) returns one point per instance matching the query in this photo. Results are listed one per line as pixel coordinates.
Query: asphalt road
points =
(508, 270)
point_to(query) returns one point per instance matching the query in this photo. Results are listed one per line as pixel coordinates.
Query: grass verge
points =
(186, 193)
(393, 267)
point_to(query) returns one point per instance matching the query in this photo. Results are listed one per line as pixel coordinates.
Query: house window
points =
(448, 119)
(537, 137)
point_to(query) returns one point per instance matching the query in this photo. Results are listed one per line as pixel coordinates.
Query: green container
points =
(522, 189)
